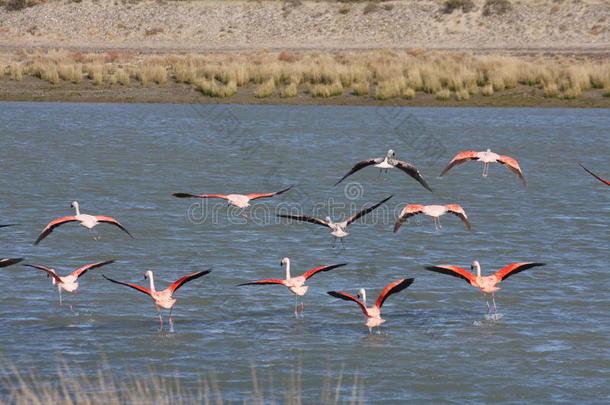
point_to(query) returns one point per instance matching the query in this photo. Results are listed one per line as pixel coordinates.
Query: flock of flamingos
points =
(164, 299)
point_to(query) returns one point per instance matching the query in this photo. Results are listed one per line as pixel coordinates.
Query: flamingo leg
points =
(493, 298)
(59, 289)
(296, 306)
(171, 321)
(485, 169)
(95, 233)
(160, 320)
(370, 330)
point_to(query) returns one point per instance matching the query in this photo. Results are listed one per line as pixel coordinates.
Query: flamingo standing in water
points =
(486, 157)
(237, 200)
(295, 284)
(373, 314)
(68, 283)
(435, 211)
(162, 299)
(487, 284)
(595, 175)
(338, 229)
(386, 163)
(86, 220)
(9, 262)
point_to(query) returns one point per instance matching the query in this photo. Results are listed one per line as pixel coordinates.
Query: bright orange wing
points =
(312, 272)
(134, 286)
(186, 195)
(512, 165)
(261, 282)
(595, 175)
(456, 209)
(52, 225)
(82, 270)
(110, 220)
(348, 297)
(393, 288)
(459, 159)
(408, 211)
(186, 279)
(454, 271)
(48, 270)
(515, 268)
(263, 195)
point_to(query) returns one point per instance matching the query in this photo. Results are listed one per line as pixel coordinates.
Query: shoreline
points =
(36, 90)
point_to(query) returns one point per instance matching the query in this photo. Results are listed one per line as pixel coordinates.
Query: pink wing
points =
(515, 268)
(134, 286)
(82, 270)
(512, 165)
(459, 211)
(393, 288)
(454, 271)
(110, 220)
(459, 159)
(48, 270)
(172, 288)
(186, 195)
(312, 272)
(408, 211)
(348, 297)
(52, 225)
(263, 195)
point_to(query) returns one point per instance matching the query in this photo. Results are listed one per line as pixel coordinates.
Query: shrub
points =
(496, 7)
(344, 10)
(16, 71)
(450, 5)
(153, 31)
(360, 88)
(267, 89)
(462, 94)
(443, 94)
(408, 93)
(213, 89)
(327, 90)
(370, 7)
(291, 90)
(487, 90)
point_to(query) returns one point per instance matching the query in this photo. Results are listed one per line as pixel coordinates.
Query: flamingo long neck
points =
(478, 266)
(151, 281)
(287, 269)
(77, 209)
(364, 297)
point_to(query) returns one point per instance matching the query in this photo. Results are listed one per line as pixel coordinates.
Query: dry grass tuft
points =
(327, 90)
(266, 89)
(290, 90)
(213, 88)
(443, 94)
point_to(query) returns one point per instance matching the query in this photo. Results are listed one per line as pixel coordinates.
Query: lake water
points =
(551, 344)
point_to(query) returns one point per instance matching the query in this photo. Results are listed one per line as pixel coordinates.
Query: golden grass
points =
(266, 89)
(380, 74)
(70, 386)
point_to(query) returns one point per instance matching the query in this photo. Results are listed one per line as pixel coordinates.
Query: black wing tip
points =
(335, 294)
(182, 195)
(10, 261)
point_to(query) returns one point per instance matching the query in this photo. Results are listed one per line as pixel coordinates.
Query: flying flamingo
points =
(338, 229)
(434, 211)
(162, 299)
(386, 163)
(9, 262)
(595, 175)
(486, 157)
(373, 314)
(238, 200)
(86, 220)
(69, 283)
(295, 284)
(487, 284)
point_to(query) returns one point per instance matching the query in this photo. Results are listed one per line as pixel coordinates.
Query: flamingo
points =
(373, 314)
(434, 211)
(338, 229)
(487, 284)
(295, 284)
(86, 220)
(162, 299)
(486, 157)
(9, 262)
(386, 163)
(4, 226)
(69, 283)
(595, 175)
(238, 200)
